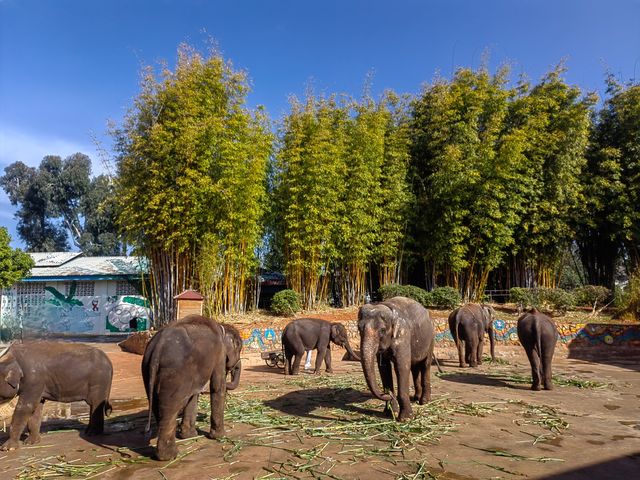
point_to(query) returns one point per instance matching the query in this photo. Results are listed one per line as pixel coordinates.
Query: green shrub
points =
(444, 297)
(629, 298)
(591, 295)
(285, 302)
(557, 298)
(411, 291)
(522, 296)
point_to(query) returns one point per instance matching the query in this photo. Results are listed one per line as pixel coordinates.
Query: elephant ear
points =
(395, 323)
(14, 375)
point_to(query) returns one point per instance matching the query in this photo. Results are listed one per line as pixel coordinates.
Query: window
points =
(83, 289)
(123, 287)
(30, 293)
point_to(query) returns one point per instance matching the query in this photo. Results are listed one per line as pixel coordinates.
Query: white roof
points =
(70, 265)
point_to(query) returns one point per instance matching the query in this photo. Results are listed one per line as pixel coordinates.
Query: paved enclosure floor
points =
(482, 423)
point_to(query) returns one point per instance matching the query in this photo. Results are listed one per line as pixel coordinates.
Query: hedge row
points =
(559, 299)
(440, 297)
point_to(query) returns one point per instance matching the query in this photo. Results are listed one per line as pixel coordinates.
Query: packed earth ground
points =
(481, 423)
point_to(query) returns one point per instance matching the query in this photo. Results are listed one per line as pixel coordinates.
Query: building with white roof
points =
(67, 293)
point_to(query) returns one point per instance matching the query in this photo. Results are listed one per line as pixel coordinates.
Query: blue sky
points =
(68, 66)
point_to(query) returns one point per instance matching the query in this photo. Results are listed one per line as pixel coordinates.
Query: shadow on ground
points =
(124, 432)
(481, 379)
(626, 466)
(303, 403)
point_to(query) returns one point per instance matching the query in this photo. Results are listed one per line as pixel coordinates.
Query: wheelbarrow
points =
(273, 359)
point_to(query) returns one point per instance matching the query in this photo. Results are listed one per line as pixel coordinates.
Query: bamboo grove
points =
(476, 181)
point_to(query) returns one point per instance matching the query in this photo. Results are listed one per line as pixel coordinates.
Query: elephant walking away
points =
(61, 372)
(178, 361)
(468, 324)
(538, 335)
(305, 334)
(397, 332)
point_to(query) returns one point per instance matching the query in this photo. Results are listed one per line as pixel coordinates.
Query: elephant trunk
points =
(368, 350)
(235, 376)
(350, 351)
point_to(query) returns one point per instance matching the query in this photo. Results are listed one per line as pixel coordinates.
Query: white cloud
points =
(30, 147)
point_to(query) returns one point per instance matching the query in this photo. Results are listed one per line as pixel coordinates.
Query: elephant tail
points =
(108, 408)
(153, 372)
(457, 339)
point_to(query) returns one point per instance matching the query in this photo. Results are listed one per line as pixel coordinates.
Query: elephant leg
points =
(23, 412)
(402, 367)
(547, 358)
(320, 356)
(384, 367)
(327, 359)
(425, 378)
(297, 358)
(417, 383)
(187, 427)
(96, 417)
(534, 360)
(33, 425)
(288, 357)
(166, 448)
(217, 392)
(460, 354)
(479, 349)
(470, 352)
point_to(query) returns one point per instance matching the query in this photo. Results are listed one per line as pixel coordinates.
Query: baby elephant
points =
(312, 333)
(538, 335)
(468, 324)
(61, 372)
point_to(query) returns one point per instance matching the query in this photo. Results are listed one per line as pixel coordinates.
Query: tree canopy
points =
(14, 263)
(190, 190)
(59, 200)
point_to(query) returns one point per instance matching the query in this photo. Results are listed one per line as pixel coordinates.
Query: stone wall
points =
(570, 334)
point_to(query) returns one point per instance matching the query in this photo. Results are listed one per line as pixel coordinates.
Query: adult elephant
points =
(538, 335)
(397, 331)
(308, 334)
(468, 324)
(178, 361)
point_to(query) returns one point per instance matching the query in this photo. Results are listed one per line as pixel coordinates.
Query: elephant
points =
(538, 335)
(312, 333)
(177, 363)
(398, 331)
(56, 371)
(468, 324)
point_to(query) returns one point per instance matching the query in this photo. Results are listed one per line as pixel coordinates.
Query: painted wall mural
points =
(50, 311)
(570, 334)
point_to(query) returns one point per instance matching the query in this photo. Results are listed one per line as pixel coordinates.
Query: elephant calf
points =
(60, 372)
(312, 333)
(538, 335)
(468, 324)
(178, 361)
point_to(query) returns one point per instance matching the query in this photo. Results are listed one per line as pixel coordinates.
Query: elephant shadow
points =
(303, 403)
(122, 433)
(480, 379)
(265, 369)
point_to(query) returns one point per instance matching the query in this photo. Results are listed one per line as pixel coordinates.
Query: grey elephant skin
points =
(60, 372)
(538, 335)
(177, 363)
(312, 334)
(468, 325)
(397, 332)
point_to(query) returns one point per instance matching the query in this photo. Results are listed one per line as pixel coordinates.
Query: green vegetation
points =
(14, 263)
(192, 163)
(285, 302)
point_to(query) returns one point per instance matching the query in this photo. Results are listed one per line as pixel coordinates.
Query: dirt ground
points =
(481, 423)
